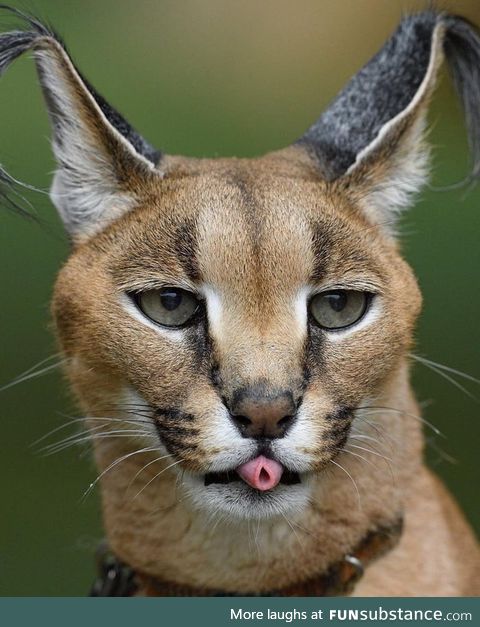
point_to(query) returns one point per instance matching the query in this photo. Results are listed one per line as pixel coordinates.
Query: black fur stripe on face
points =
(338, 428)
(173, 416)
(185, 245)
(176, 431)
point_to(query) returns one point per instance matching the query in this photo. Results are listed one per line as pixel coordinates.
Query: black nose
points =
(259, 413)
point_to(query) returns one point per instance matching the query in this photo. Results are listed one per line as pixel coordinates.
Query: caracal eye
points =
(338, 309)
(170, 306)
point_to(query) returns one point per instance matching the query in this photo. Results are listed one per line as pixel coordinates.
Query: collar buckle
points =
(115, 579)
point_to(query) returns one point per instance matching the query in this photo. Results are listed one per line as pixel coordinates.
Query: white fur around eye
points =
(300, 305)
(373, 313)
(172, 334)
(214, 309)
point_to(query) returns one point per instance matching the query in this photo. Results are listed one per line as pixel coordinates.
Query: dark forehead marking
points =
(321, 246)
(185, 246)
(335, 245)
(245, 183)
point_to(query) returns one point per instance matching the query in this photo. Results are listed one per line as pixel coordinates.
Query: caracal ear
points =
(371, 138)
(102, 160)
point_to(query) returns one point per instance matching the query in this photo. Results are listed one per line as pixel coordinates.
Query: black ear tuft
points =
(103, 162)
(11, 198)
(462, 49)
(15, 43)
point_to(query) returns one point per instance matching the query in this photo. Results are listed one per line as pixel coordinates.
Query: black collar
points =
(117, 579)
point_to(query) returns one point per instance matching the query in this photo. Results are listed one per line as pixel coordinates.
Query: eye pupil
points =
(170, 306)
(171, 299)
(337, 300)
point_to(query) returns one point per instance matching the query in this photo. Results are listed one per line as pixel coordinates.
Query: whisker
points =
(220, 518)
(428, 441)
(179, 480)
(137, 410)
(379, 430)
(153, 461)
(257, 531)
(388, 459)
(103, 425)
(351, 479)
(89, 437)
(302, 544)
(443, 454)
(115, 463)
(155, 477)
(56, 430)
(31, 375)
(40, 363)
(78, 435)
(445, 376)
(358, 435)
(84, 419)
(460, 373)
(374, 408)
(365, 459)
(304, 529)
(138, 406)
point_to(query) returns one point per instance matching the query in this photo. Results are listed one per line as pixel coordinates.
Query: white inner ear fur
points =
(87, 210)
(85, 188)
(408, 167)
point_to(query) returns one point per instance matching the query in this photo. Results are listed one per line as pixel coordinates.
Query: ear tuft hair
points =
(462, 49)
(371, 137)
(97, 150)
(14, 43)
(11, 198)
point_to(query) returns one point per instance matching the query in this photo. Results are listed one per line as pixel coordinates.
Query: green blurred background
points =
(209, 78)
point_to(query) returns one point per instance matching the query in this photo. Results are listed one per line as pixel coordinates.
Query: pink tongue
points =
(261, 473)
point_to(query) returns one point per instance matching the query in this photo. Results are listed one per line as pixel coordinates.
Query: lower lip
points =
(223, 478)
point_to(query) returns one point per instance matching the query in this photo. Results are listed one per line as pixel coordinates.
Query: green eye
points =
(171, 307)
(339, 308)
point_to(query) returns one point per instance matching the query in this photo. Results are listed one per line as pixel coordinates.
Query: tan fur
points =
(255, 241)
(260, 226)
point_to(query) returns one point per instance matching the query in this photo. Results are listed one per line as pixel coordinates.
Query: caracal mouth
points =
(260, 473)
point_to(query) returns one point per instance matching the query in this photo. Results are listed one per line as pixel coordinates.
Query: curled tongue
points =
(261, 473)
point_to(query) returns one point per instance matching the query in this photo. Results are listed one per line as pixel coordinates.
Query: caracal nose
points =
(263, 414)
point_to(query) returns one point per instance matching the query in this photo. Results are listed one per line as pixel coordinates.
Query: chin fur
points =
(238, 501)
